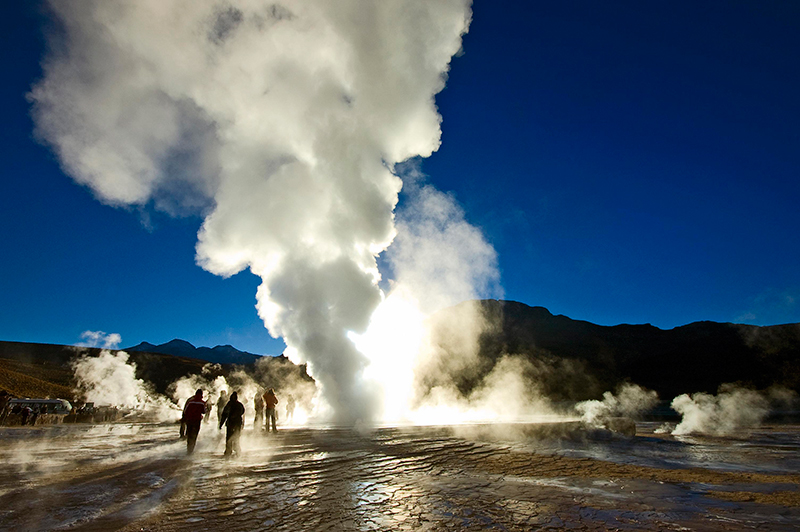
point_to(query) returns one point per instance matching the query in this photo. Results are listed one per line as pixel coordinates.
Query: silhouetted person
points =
(221, 402)
(258, 403)
(208, 411)
(289, 407)
(25, 412)
(270, 402)
(5, 398)
(233, 417)
(193, 412)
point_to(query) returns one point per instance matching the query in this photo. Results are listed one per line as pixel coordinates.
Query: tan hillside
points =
(34, 380)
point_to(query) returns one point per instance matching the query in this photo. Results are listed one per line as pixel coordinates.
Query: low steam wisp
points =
(630, 401)
(732, 410)
(109, 379)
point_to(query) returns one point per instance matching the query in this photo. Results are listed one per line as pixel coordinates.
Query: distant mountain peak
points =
(177, 342)
(144, 346)
(221, 354)
(225, 348)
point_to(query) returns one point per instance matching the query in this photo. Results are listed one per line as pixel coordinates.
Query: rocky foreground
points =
(137, 477)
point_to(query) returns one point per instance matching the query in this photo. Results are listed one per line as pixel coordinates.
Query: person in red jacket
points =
(193, 412)
(270, 402)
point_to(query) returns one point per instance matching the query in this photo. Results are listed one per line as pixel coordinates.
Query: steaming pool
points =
(513, 477)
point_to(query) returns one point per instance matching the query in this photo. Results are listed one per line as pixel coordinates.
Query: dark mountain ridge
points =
(49, 365)
(45, 370)
(696, 357)
(568, 359)
(221, 354)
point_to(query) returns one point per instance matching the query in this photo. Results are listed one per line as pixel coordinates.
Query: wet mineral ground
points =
(133, 477)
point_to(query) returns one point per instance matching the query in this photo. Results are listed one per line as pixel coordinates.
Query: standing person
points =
(270, 402)
(193, 412)
(258, 402)
(183, 425)
(221, 402)
(290, 407)
(233, 417)
(26, 412)
(5, 398)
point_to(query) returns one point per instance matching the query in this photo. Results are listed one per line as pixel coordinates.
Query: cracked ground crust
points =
(399, 483)
(537, 465)
(387, 479)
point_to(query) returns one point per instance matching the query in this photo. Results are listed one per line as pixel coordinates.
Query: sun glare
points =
(391, 343)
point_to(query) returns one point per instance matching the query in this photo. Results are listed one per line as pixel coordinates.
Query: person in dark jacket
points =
(193, 412)
(26, 412)
(233, 418)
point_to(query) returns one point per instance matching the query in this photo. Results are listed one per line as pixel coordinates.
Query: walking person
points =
(258, 403)
(193, 412)
(208, 410)
(233, 418)
(221, 402)
(270, 402)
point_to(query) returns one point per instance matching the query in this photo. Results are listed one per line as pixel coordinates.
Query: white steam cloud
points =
(731, 410)
(100, 339)
(282, 123)
(631, 400)
(110, 379)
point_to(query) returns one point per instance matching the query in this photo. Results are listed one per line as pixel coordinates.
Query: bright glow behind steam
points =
(391, 344)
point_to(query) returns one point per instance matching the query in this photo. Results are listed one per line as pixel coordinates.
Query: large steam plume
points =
(110, 379)
(280, 122)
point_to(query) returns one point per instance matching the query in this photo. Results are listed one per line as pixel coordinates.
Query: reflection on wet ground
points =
(137, 477)
(769, 449)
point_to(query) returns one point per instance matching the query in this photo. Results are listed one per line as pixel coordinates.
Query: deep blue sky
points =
(632, 162)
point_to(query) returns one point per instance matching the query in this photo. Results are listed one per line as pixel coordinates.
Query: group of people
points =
(230, 412)
(28, 415)
(266, 406)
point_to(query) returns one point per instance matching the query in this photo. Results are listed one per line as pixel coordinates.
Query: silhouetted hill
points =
(577, 360)
(567, 359)
(39, 370)
(51, 363)
(221, 354)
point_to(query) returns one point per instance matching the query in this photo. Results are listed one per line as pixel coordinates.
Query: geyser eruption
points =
(280, 122)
